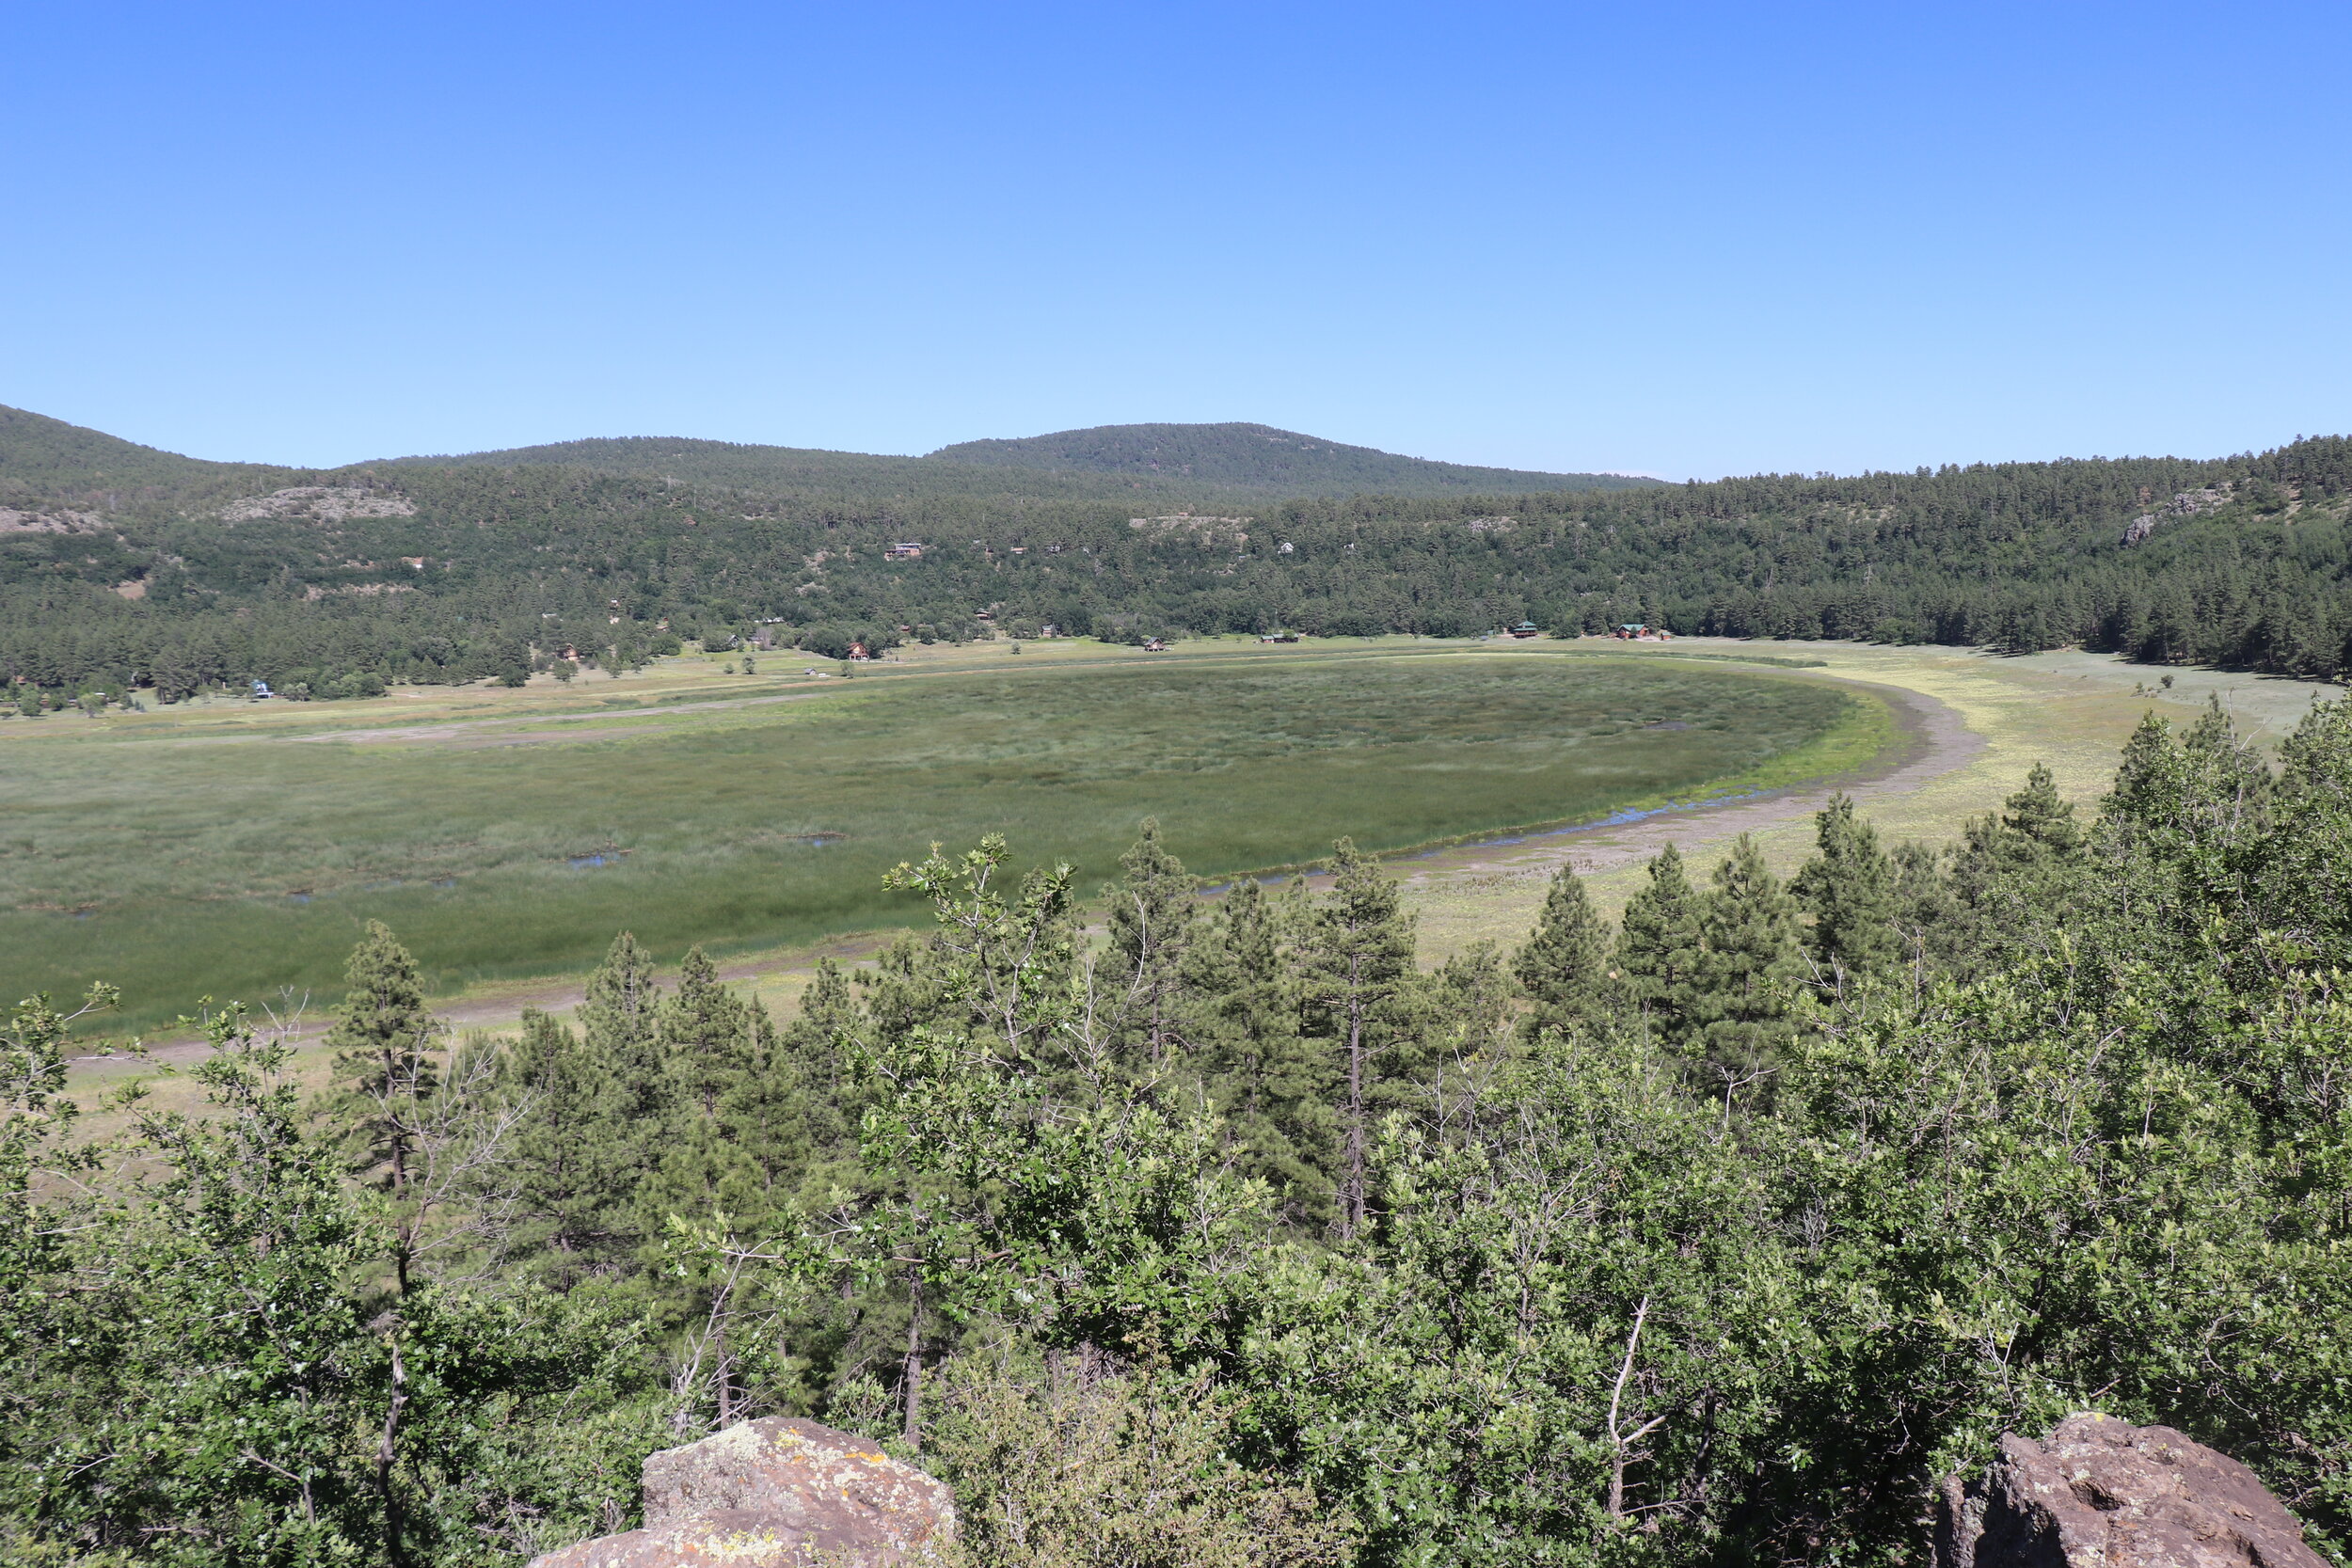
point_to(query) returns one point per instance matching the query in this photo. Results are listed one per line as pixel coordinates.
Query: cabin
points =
(1525, 629)
(857, 652)
(906, 550)
(1155, 645)
(1279, 637)
(1635, 631)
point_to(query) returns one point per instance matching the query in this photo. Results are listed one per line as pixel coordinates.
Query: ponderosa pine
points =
(1658, 955)
(387, 1073)
(1564, 967)
(1275, 1089)
(1748, 924)
(569, 1162)
(1849, 888)
(1154, 914)
(1359, 955)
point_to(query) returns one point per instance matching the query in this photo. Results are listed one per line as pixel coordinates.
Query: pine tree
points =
(569, 1162)
(1565, 966)
(383, 1040)
(2040, 816)
(1658, 947)
(824, 1103)
(1273, 1088)
(1927, 912)
(705, 1036)
(760, 1118)
(1849, 887)
(617, 1020)
(1749, 925)
(1151, 926)
(1462, 1010)
(1358, 958)
(712, 1044)
(2016, 869)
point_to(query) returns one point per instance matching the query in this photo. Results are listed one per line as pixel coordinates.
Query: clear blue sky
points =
(1678, 239)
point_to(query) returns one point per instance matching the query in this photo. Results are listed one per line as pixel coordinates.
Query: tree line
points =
(1223, 1231)
(493, 571)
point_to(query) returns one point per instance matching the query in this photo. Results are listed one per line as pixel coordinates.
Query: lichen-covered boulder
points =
(2101, 1493)
(776, 1494)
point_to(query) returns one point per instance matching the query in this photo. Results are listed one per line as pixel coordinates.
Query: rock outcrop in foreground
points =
(776, 1494)
(2100, 1493)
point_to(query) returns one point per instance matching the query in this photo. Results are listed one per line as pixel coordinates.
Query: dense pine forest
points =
(1711, 1235)
(131, 574)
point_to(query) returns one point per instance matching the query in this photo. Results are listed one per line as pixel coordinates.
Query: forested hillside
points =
(1715, 1235)
(46, 459)
(1237, 463)
(810, 475)
(210, 575)
(1257, 456)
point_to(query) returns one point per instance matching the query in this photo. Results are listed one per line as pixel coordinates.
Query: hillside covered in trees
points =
(122, 568)
(1257, 456)
(1176, 463)
(1714, 1235)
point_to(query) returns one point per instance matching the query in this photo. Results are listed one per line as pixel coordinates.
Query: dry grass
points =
(2070, 710)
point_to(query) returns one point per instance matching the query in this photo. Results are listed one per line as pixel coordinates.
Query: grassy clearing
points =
(224, 856)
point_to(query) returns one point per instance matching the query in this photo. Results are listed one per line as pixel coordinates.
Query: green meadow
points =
(179, 862)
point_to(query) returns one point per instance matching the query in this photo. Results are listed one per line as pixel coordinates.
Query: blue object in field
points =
(260, 689)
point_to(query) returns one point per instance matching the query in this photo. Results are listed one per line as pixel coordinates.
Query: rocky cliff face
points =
(776, 1494)
(2099, 1492)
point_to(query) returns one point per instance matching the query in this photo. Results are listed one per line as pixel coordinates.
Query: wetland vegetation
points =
(178, 859)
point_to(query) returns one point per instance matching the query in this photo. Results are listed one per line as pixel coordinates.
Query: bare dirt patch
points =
(324, 503)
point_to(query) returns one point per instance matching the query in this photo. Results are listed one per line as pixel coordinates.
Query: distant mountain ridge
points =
(1260, 456)
(791, 470)
(1069, 464)
(1171, 463)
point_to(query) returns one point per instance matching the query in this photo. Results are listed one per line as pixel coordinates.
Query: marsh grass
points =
(179, 868)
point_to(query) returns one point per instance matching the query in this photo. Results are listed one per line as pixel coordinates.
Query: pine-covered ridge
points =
(121, 568)
(1259, 457)
(1237, 463)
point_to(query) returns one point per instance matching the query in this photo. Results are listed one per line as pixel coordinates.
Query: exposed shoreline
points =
(1941, 743)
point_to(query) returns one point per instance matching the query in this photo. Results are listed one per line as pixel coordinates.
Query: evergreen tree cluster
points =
(484, 571)
(1177, 1229)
